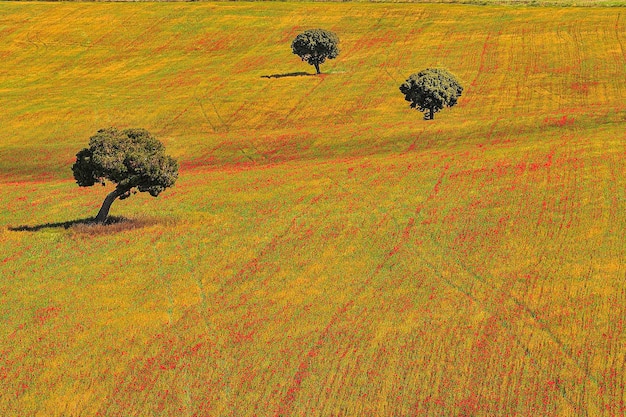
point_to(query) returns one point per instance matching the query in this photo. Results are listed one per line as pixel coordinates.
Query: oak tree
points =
(431, 90)
(131, 158)
(315, 46)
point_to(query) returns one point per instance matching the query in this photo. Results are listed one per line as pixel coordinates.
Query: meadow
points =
(325, 251)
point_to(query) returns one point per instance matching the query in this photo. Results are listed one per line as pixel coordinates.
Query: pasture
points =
(325, 251)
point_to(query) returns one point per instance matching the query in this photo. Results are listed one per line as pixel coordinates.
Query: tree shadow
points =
(68, 224)
(290, 74)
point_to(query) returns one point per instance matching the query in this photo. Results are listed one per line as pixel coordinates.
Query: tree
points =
(431, 89)
(131, 158)
(315, 46)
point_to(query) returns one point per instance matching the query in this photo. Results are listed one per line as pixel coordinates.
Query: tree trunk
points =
(103, 214)
(317, 67)
(432, 113)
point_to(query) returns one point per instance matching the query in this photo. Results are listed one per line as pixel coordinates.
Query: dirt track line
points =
(489, 46)
(406, 232)
(540, 325)
(112, 31)
(501, 322)
(204, 113)
(131, 44)
(249, 267)
(282, 121)
(284, 408)
(619, 38)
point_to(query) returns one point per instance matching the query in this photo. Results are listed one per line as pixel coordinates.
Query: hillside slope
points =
(326, 252)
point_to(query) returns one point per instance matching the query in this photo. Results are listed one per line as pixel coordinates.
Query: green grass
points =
(325, 252)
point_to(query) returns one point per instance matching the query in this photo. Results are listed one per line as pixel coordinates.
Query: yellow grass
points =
(326, 252)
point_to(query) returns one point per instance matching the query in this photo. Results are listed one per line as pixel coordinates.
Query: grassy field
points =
(325, 252)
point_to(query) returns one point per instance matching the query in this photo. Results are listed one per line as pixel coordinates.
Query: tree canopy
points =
(315, 46)
(131, 158)
(431, 90)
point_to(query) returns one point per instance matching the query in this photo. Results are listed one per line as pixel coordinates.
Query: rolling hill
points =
(325, 252)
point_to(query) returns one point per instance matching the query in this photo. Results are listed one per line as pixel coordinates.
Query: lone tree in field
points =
(131, 158)
(315, 46)
(431, 90)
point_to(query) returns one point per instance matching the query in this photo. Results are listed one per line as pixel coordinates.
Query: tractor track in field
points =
(614, 195)
(250, 268)
(220, 125)
(406, 232)
(226, 124)
(571, 35)
(217, 128)
(269, 247)
(223, 124)
(619, 37)
(284, 407)
(550, 205)
(611, 195)
(298, 107)
(34, 38)
(490, 307)
(493, 310)
(568, 189)
(517, 305)
(365, 101)
(296, 382)
(158, 23)
(490, 46)
(364, 316)
(418, 138)
(122, 24)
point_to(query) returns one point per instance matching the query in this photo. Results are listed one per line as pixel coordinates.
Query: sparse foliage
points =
(131, 158)
(431, 90)
(315, 46)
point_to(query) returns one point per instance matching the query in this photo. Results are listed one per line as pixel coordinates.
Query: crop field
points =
(325, 251)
